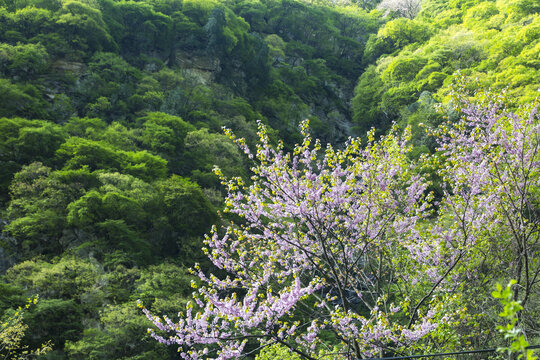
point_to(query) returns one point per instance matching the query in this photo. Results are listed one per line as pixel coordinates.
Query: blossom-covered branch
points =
(323, 230)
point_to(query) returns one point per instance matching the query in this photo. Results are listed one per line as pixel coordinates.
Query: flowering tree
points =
(492, 168)
(329, 257)
(405, 8)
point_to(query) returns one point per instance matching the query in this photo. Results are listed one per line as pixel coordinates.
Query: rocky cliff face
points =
(77, 68)
(202, 69)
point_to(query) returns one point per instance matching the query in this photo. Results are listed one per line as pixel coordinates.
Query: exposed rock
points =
(69, 66)
(202, 69)
(202, 77)
(151, 67)
(189, 60)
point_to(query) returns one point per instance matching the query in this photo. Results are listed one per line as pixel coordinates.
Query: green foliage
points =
(511, 332)
(164, 287)
(12, 332)
(23, 61)
(394, 35)
(85, 127)
(277, 352)
(368, 93)
(119, 136)
(198, 10)
(276, 47)
(480, 14)
(55, 318)
(204, 150)
(491, 41)
(83, 27)
(67, 278)
(182, 199)
(22, 142)
(165, 135)
(36, 212)
(77, 153)
(115, 216)
(121, 334)
(23, 100)
(144, 30)
(72, 286)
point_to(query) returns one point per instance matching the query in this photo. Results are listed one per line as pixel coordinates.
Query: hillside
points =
(111, 117)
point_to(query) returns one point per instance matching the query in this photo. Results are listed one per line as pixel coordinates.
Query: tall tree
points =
(493, 177)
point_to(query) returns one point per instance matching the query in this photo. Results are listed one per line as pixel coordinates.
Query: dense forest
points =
(111, 123)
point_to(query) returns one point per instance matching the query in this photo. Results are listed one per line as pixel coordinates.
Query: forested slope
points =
(412, 63)
(111, 116)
